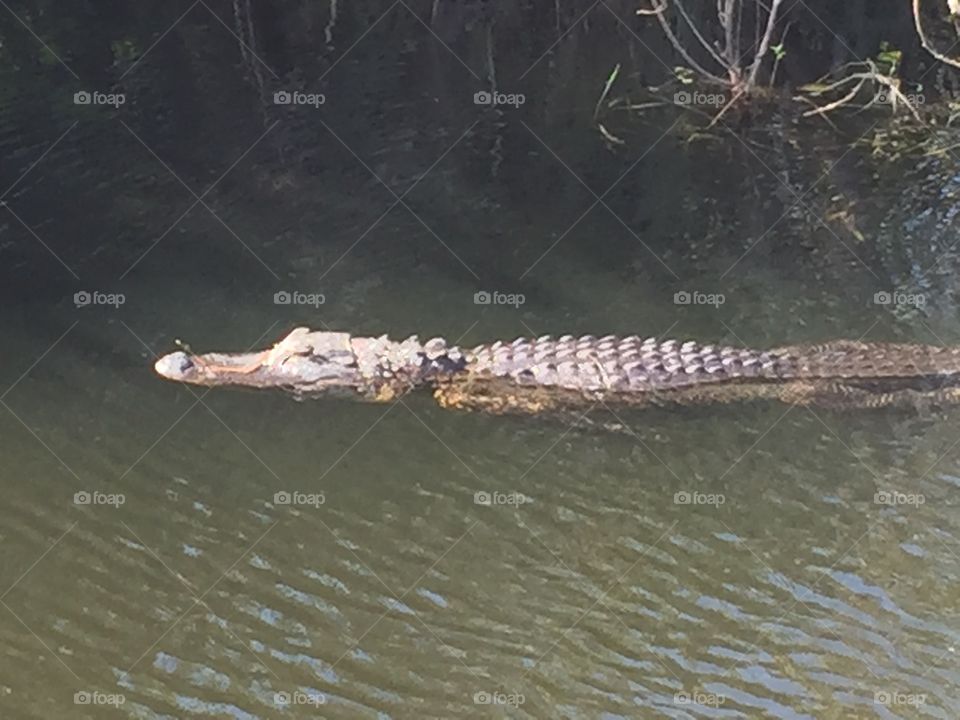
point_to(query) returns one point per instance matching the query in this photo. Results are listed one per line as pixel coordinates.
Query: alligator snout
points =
(174, 366)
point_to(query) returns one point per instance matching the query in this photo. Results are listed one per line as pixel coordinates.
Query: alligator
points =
(576, 373)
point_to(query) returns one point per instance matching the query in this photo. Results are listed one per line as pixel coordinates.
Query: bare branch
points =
(925, 42)
(730, 40)
(861, 78)
(659, 14)
(716, 56)
(726, 107)
(824, 109)
(765, 43)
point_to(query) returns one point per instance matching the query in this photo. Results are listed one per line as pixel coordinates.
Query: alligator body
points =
(568, 373)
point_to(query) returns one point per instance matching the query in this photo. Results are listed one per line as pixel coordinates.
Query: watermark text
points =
(495, 297)
(295, 297)
(483, 97)
(482, 497)
(685, 497)
(86, 497)
(83, 298)
(299, 498)
(685, 297)
(84, 97)
(296, 97)
(893, 497)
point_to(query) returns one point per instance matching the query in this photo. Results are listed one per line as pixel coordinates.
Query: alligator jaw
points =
(319, 363)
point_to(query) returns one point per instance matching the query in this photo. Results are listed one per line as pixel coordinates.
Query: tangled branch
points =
(926, 42)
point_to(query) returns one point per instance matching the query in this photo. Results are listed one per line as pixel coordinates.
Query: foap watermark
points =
(684, 497)
(85, 497)
(484, 97)
(295, 297)
(482, 497)
(495, 297)
(893, 497)
(95, 697)
(297, 97)
(84, 97)
(298, 697)
(686, 297)
(699, 698)
(683, 97)
(899, 298)
(482, 697)
(83, 298)
(886, 97)
(895, 697)
(299, 498)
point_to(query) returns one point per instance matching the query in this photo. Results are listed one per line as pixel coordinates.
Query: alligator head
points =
(304, 362)
(317, 363)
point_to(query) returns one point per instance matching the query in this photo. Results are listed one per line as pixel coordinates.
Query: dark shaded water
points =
(731, 562)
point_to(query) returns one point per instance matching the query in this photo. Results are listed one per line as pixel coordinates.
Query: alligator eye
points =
(185, 363)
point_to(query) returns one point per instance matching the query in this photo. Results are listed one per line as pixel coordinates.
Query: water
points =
(724, 562)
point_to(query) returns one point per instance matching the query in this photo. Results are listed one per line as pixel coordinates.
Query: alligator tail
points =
(859, 360)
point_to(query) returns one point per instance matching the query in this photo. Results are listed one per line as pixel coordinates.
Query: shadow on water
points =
(243, 555)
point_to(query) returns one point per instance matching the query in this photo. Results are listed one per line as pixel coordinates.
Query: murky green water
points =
(730, 562)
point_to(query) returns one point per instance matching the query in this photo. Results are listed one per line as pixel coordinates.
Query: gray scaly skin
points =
(537, 375)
